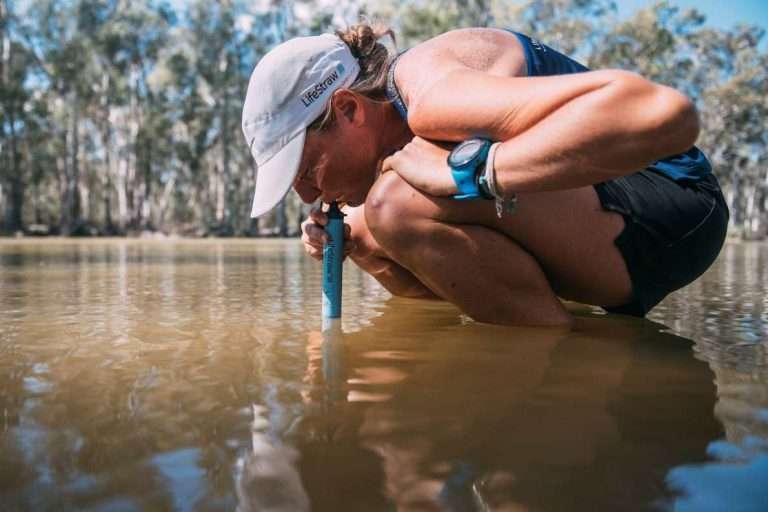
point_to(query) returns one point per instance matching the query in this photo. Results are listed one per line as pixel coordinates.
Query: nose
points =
(307, 192)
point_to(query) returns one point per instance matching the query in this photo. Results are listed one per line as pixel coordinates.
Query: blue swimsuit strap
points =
(393, 94)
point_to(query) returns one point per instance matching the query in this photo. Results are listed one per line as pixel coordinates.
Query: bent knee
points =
(392, 210)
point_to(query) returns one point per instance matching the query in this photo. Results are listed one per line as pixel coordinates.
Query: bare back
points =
(493, 51)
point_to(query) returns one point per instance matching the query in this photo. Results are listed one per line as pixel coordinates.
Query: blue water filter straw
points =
(333, 256)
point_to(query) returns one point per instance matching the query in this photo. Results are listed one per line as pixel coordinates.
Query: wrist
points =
(499, 179)
(467, 163)
(504, 202)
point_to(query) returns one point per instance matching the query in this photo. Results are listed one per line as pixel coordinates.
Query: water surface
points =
(193, 375)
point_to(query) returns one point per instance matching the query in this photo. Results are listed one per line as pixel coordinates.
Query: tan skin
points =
(560, 135)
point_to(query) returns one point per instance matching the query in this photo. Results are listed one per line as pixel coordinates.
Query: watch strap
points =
(467, 177)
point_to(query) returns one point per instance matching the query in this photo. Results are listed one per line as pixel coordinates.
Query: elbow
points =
(672, 121)
(665, 118)
(679, 125)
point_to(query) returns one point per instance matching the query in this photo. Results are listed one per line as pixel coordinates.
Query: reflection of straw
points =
(333, 367)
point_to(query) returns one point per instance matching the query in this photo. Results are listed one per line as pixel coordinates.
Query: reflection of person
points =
(595, 192)
(266, 478)
(436, 415)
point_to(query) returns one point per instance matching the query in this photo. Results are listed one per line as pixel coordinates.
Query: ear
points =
(349, 105)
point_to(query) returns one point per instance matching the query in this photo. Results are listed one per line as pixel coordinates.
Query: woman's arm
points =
(559, 131)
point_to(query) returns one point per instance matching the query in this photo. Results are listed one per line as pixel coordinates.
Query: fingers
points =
(318, 216)
(312, 233)
(388, 163)
(349, 244)
(314, 236)
(399, 159)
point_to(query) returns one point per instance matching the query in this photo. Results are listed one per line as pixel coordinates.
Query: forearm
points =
(613, 130)
(559, 131)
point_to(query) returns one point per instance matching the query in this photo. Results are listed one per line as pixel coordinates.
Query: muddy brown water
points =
(192, 375)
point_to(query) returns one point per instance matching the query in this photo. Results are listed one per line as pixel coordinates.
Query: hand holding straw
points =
(333, 256)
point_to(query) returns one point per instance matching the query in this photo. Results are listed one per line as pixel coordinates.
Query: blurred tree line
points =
(120, 117)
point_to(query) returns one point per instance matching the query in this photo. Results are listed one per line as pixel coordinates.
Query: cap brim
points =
(274, 179)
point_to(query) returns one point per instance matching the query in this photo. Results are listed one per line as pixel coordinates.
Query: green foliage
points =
(122, 116)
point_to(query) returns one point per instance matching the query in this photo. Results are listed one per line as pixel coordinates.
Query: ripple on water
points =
(193, 375)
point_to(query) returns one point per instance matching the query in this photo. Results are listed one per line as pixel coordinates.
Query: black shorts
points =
(674, 231)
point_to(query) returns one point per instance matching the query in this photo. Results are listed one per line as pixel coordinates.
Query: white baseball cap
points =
(290, 88)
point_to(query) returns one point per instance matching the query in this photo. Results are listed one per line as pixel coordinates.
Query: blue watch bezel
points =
(466, 172)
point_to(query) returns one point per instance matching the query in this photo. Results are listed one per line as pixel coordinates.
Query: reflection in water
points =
(194, 376)
(474, 417)
(727, 314)
(735, 479)
(267, 479)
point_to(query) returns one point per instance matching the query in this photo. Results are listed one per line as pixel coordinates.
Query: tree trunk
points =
(218, 194)
(165, 202)
(72, 202)
(282, 218)
(122, 196)
(133, 156)
(736, 213)
(106, 142)
(146, 202)
(106, 178)
(14, 221)
(300, 218)
(13, 214)
(226, 171)
(62, 179)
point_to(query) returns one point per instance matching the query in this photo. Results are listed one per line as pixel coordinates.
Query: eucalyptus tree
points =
(110, 90)
(40, 154)
(126, 114)
(140, 30)
(14, 70)
(208, 69)
(416, 21)
(733, 111)
(724, 71)
(213, 26)
(55, 35)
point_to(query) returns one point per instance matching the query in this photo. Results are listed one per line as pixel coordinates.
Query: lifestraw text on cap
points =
(314, 92)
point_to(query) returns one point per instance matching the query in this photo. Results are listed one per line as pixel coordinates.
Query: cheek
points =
(365, 159)
(351, 164)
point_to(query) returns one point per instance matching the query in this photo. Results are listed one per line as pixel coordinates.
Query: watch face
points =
(466, 152)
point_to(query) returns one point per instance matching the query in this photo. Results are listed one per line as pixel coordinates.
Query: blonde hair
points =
(373, 57)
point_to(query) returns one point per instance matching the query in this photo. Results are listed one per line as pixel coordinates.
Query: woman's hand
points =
(313, 234)
(423, 164)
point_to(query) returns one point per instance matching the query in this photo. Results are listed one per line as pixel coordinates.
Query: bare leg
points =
(370, 257)
(509, 270)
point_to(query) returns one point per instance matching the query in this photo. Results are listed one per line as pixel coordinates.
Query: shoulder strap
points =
(393, 94)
